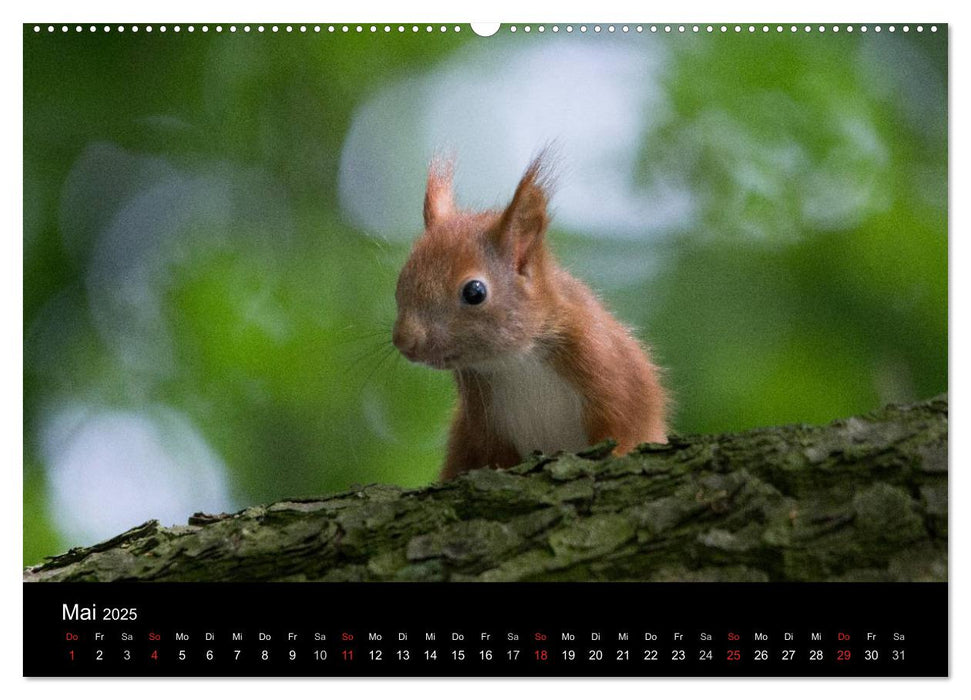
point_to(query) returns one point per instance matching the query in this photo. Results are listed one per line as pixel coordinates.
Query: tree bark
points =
(862, 499)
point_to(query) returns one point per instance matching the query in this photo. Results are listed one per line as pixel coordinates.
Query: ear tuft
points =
(523, 223)
(439, 199)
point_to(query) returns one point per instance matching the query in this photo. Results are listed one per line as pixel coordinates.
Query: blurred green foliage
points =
(815, 285)
(812, 285)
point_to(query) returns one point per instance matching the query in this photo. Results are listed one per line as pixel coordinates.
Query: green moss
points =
(595, 535)
(886, 514)
(661, 515)
(467, 542)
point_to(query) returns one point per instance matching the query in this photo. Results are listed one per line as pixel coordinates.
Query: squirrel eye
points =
(474, 292)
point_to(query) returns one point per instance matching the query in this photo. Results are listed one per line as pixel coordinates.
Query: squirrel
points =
(538, 362)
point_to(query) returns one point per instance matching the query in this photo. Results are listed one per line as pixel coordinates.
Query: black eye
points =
(474, 292)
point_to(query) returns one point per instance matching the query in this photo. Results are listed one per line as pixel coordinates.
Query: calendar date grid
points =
(550, 647)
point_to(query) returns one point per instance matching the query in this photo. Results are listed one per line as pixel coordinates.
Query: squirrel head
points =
(475, 288)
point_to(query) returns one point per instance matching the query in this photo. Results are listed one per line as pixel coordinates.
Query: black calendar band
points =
(474, 629)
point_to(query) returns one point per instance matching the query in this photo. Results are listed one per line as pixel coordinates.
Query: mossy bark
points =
(858, 499)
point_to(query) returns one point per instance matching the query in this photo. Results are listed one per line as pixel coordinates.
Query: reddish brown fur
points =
(533, 306)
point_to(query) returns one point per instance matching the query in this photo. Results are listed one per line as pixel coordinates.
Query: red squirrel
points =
(539, 363)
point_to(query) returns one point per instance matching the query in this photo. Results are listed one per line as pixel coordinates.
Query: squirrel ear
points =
(519, 234)
(439, 200)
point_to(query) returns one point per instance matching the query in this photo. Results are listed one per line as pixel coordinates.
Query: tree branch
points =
(858, 499)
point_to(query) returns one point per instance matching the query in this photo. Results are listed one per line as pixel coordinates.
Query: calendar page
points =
(590, 349)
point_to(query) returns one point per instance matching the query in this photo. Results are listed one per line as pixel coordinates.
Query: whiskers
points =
(368, 358)
(386, 391)
(357, 334)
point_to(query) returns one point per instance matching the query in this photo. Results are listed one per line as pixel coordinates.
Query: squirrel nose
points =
(407, 337)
